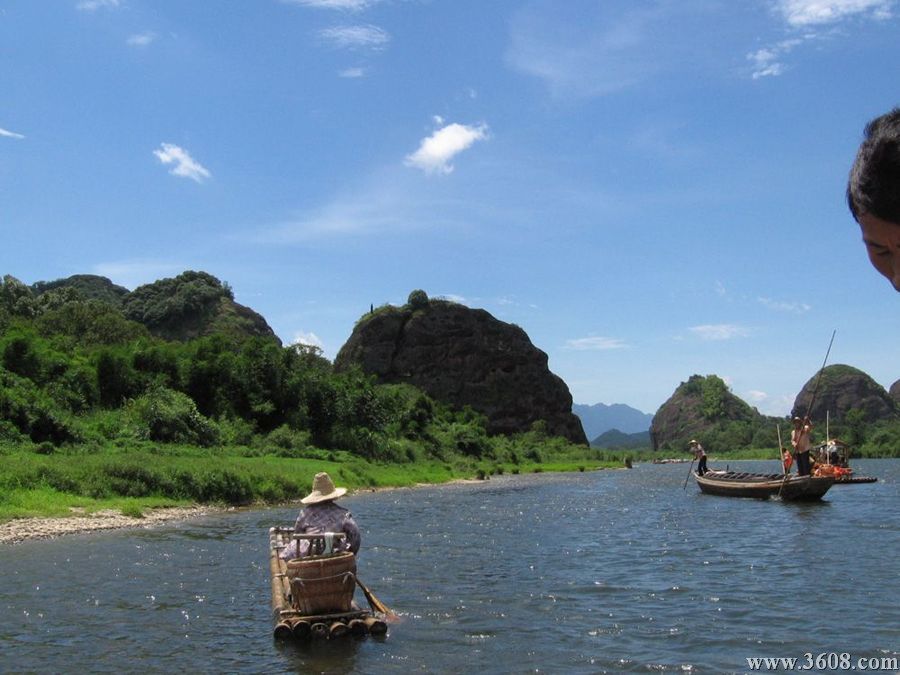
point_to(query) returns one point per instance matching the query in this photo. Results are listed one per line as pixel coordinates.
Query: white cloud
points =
(595, 344)
(10, 134)
(804, 13)
(436, 151)
(141, 39)
(805, 18)
(782, 306)
(94, 5)
(351, 37)
(352, 72)
(311, 339)
(767, 62)
(133, 273)
(184, 165)
(755, 396)
(349, 5)
(719, 331)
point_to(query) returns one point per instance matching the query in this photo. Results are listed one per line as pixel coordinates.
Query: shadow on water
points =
(331, 656)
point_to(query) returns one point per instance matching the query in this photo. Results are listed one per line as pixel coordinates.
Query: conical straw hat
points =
(323, 490)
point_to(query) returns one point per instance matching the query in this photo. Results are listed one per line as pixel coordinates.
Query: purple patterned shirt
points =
(319, 518)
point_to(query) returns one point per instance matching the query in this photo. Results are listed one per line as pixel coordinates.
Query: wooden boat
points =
(763, 486)
(312, 596)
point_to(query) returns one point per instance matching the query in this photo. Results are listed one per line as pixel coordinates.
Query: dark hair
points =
(874, 185)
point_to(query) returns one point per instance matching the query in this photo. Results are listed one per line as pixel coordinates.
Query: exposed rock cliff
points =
(843, 388)
(895, 392)
(701, 408)
(464, 357)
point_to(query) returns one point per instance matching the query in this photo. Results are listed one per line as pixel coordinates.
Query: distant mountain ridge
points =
(617, 440)
(600, 418)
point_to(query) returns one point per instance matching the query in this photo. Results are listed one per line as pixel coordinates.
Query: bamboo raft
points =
(316, 611)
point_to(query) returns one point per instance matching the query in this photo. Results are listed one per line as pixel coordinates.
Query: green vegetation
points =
(98, 411)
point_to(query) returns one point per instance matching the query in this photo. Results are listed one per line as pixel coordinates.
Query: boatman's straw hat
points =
(323, 490)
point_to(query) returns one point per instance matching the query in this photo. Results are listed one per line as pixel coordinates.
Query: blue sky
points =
(649, 189)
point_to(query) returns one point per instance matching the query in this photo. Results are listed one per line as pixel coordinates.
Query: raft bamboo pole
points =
(357, 627)
(375, 626)
(278, 598)
(318, 630)
(337, 629)
(301, 629)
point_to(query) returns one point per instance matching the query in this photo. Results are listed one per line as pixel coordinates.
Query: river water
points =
(610, 571)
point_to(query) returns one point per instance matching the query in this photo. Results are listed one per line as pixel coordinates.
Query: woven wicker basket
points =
(322, 584)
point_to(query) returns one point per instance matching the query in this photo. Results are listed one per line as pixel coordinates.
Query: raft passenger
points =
(321, 515)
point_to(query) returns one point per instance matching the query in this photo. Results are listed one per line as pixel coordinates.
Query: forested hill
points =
(190, 305)
(84, 362)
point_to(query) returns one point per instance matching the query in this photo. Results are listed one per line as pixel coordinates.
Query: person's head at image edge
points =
(873, 194)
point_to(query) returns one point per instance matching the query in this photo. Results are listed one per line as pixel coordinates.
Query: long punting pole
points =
(690, 468)
(819, 378)
(781, 451)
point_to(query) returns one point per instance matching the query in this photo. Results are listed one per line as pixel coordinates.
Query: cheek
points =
(882, 263)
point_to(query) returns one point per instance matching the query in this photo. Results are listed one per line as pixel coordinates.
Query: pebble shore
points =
(21, 529)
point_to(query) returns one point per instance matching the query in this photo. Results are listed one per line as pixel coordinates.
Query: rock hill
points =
(464, 356)
(698, 408)
(843, 388)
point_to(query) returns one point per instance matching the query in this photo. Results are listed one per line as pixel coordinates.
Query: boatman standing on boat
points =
(700, 454)
(321, 514)
(800, 443)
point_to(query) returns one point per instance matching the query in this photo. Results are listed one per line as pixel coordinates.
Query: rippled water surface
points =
(619, 571)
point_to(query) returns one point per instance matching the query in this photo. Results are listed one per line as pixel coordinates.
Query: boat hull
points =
(763, 486)
(855, 480)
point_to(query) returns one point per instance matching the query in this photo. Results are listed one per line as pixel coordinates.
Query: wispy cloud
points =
(755, 396)
(452, 297)
(183, 164)
(806, 19)
(436, 151)
(141, 39)
(719, 331)
(782, 306)
(94, 5)
(595, 344)
(346, 5)
(356, 37)
(768, 61)
(133, 273)
(602, 48)
(805, 13)
(10, 134)
(352, 73)
(304, 338)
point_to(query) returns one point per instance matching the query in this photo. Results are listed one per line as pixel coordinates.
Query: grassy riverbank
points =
(140, 477)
